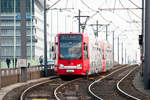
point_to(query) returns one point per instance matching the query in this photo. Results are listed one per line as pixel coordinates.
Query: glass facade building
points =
(7, 6)
(10, 21)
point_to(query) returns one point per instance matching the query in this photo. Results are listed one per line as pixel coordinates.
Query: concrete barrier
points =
(12, 76)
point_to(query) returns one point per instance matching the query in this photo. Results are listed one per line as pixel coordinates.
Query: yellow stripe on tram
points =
(39, 99)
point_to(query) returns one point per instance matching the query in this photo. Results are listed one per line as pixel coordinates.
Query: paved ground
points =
(139, 84)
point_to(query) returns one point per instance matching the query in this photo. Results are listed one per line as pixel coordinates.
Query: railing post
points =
(22, 63)
(23, 74)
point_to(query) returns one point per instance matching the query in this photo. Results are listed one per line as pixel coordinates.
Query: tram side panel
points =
(95, 51)
(86, 55)
(108, 57)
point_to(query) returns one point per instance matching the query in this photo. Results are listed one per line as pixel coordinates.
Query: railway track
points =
(122, 91)
(50, 89)
(107, 88)
(58, 94)
(57, 89)
(45, 90)
(77, 89)
(42, 90)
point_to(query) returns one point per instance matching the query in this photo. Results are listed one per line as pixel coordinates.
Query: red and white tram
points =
(79, 54)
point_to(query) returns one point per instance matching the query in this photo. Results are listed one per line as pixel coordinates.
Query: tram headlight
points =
(61, 66)
(79, 66)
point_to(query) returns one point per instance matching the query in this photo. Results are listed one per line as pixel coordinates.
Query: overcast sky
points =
(126, 23)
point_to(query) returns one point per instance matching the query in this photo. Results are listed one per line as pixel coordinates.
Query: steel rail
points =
(123, 92)
(89, 88)
(26, 90)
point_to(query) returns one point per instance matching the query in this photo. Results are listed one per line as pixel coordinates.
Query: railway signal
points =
(140, 39)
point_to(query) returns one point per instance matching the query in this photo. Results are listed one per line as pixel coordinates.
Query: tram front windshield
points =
(70, 46)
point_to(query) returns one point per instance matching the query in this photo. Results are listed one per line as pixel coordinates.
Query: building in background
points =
(10, 35)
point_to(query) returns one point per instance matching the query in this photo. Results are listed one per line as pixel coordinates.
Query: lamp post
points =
(45, 41)
(31, 45)
(14, 34)
(23, 39)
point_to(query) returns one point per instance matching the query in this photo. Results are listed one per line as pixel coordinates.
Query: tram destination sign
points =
(70, 37)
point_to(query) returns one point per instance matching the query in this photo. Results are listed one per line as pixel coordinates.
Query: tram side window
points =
(103, 53)
(85, 51)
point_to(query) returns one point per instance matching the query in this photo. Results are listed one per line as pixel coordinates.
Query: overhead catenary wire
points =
(93, 15)
(128, 13)
(87, 6)
(131, 18)
(96, 14)
(129, 10)
(110, 22)
(88, 18)
(90, 9)
(53, 4)
(115, 14)
(95, 10)
(104, 18)
(134, 3)
(122, 18)
(102, 15)
(99, 14)
(114, 5)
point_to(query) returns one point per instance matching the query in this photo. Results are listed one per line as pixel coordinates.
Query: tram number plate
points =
(70, 71)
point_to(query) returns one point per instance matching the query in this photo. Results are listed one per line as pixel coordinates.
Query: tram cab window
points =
(85, 55)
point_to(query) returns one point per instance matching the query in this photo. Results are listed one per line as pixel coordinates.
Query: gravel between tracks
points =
(44, 90)
(106, 88)
(78, 90)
